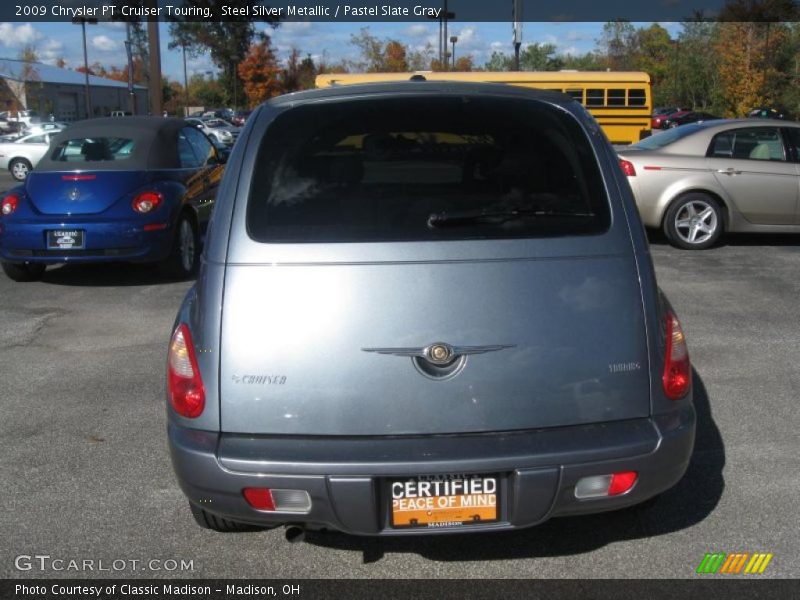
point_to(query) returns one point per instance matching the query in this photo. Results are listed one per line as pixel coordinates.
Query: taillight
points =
(677, 376)
(627, 167)
(186, 392)
(9, 204)
(147, 202)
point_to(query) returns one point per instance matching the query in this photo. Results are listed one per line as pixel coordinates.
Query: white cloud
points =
(103, 43)
(416, 30)
(22, 35)
(292, 28)
(50, 51)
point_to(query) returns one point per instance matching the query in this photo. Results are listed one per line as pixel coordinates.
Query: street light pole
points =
(185, 84)
(88, 101)
(156, 99)
(129, 51)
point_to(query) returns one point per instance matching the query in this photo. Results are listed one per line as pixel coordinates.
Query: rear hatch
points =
(377, 230)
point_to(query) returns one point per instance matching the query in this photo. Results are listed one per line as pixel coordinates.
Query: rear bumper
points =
(104, 241)
(346, 478)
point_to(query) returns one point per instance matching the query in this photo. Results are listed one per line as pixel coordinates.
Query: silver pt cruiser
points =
(424, 307)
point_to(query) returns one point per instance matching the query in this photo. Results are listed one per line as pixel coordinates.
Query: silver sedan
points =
(703, 179)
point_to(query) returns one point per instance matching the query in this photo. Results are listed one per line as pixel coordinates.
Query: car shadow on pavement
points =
(105, 275)
(656, 237)
(687, 504)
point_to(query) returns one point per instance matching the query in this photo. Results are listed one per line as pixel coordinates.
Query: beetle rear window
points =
(96, 149)
(435, 168)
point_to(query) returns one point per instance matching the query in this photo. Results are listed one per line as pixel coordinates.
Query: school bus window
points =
(576, 94)
(595, 97)
(636, 97)
(616, 97)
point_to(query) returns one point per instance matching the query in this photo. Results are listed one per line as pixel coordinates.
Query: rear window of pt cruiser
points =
(425, 169)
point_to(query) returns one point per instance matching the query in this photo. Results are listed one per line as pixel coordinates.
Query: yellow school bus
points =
(620, 101)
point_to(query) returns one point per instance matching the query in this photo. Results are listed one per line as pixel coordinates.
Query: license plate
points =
(65, 239)
(444, 500)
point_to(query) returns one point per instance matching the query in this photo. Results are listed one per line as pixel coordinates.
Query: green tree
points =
(499, 62)
(618, 44)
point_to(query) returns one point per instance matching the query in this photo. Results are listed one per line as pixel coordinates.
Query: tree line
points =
(748, 57)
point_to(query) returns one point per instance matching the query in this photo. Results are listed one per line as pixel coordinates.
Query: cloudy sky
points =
(331, 40)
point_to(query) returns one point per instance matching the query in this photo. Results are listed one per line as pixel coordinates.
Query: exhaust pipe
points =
(295, 534)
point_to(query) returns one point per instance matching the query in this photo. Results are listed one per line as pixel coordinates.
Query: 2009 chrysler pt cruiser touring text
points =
(424, 307)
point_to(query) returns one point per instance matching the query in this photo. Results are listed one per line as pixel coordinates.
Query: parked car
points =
(701, 180)
(217, 129)
(138, 189)
(678, 119)
(45, 127)
(21, 154)
(26, 117)
(240, 117)
(766, 112)
(425, 307)
(662, 122)
(659, 114)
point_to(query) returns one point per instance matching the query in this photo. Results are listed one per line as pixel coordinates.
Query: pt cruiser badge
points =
(439, 360)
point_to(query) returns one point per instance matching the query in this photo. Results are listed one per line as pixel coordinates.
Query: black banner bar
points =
(704, 587)
(365, 11)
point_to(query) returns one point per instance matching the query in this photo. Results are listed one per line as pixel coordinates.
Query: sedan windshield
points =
(659, 140)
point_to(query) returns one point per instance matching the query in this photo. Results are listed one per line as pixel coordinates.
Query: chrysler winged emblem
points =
(439, 353)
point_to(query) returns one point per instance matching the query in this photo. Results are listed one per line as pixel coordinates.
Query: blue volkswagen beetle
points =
(138, 189)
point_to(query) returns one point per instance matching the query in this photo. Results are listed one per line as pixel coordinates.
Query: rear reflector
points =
(268, 500)
(627, 167)
(677, 377)
(186, 392)
(155, 226)
(259, 498)
(601, 486)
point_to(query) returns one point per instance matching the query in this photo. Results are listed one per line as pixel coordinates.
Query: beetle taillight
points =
(627, 167)
(677, 377)
(186, 391)
(9, 204)
(146, 202)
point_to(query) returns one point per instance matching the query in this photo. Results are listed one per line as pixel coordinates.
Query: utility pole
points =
(185, 84)
(88, 100)
(156, 104)
(453, 40)
(444, 36)
(129, 51)
(516, 16)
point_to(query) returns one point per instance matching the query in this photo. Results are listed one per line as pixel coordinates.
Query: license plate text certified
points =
(444, 500)
(65, 239)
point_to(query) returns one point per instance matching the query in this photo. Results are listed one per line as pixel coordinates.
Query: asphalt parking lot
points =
(86, 473)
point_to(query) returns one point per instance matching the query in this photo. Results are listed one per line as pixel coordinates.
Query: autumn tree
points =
(394, 57)
(464, 63)
(228, 42)
(260, 73)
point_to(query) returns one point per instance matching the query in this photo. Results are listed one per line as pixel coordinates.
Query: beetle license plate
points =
(65, 239)
(444, 500)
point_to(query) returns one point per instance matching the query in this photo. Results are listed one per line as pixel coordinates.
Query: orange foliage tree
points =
(260, 74)
(744, 50)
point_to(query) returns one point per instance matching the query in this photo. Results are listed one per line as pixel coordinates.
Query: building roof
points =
(11, 68)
